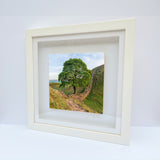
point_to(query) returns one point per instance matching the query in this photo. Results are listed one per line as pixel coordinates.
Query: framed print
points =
(79, 79)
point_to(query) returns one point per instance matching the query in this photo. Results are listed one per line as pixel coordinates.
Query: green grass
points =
(66, 90)
(95, 99)
(56, 101)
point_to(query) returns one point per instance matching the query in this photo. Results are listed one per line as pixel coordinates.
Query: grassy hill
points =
(92, 103)
(57, 101)
(95, 98)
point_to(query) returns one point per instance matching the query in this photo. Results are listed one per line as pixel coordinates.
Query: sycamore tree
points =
(75, 74)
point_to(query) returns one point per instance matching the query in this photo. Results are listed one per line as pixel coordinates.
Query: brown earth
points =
(74, 106)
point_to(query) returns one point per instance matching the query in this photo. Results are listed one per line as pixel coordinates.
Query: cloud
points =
(94, 61)
(55, 68)
(53, 75)
(54, 71)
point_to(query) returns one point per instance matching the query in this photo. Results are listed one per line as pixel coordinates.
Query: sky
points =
(56, 61)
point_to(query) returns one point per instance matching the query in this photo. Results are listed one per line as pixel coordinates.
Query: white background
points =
(146, 87)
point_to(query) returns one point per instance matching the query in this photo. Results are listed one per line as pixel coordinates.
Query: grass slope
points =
(95, 98)
(57, 101)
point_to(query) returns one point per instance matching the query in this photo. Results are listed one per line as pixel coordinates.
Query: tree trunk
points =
(75, 90)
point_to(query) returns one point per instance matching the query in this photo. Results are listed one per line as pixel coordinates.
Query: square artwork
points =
(76, 82)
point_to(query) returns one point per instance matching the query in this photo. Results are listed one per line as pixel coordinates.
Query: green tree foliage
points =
(75, 74)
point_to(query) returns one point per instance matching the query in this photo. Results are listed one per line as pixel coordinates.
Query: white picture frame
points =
(34, 36)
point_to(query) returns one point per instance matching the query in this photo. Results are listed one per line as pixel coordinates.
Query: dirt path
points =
(74, 106)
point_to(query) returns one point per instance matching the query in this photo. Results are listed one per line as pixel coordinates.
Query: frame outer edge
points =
(129, 26)
(128, 80)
